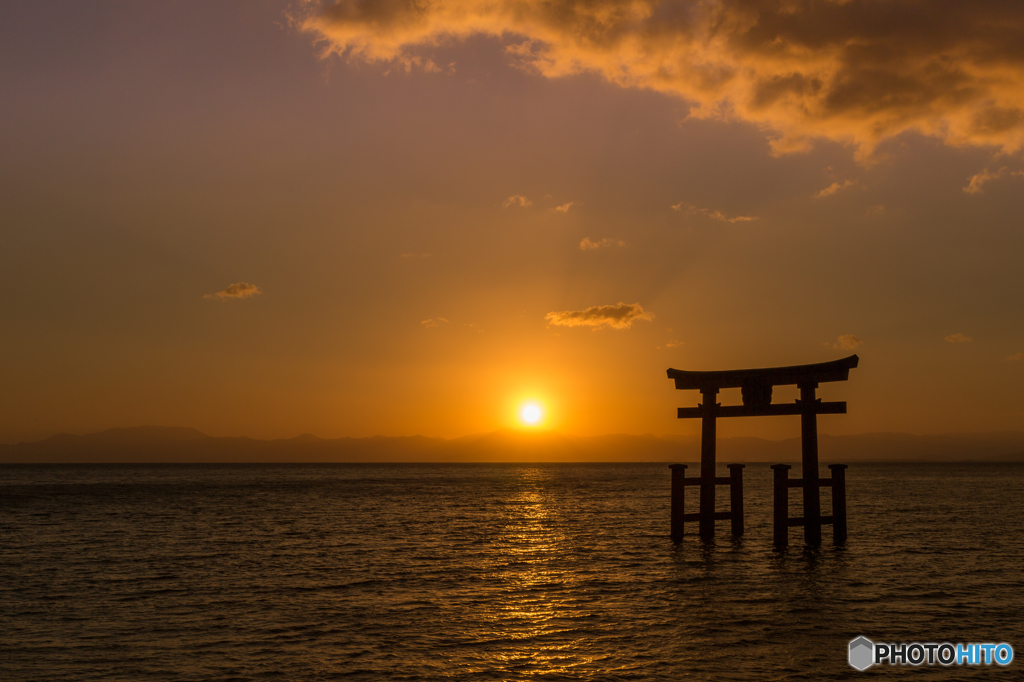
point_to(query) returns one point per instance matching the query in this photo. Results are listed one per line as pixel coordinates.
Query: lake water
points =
(489, 572)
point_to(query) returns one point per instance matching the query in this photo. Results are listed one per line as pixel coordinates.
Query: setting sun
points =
(531, 414)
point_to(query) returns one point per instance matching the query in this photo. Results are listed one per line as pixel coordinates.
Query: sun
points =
(531, 414)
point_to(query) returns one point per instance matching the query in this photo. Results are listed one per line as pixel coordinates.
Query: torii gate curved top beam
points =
(837, 370)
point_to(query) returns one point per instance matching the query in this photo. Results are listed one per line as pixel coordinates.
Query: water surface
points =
(487, 572)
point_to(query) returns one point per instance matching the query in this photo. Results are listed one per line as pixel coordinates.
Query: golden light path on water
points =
(529, 540)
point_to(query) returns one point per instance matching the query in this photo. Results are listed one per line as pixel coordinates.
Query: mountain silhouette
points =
(158, 444)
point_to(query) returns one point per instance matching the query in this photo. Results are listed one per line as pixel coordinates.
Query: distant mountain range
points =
(157, 444)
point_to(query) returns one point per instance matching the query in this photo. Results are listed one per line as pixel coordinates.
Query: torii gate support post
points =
(838, 502)
(736, 497)
(679, 482)
(678, 500)
(780, 517)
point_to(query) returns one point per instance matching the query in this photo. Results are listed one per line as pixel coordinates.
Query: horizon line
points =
(515, 430)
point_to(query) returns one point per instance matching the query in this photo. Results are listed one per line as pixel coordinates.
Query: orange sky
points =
(391, 218)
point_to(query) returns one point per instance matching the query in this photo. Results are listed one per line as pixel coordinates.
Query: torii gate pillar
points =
(708, 436)
(809, 463)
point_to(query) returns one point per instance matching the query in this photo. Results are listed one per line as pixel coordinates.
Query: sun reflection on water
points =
(534, 618)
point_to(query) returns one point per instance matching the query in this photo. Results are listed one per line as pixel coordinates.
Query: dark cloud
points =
(854, 71)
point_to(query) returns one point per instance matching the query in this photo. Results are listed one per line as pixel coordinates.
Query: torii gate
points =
(756, 386)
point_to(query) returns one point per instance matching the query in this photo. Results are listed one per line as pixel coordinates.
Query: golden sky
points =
(395, 217)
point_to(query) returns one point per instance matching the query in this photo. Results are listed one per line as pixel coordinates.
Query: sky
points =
(388, 217)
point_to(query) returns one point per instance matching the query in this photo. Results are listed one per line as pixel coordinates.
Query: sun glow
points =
(531, 414)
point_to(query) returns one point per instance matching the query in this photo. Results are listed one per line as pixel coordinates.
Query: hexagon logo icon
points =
(862, 653)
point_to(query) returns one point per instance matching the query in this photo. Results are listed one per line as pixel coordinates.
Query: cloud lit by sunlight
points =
(517, 200)
(845, 342)
(236, 291)
(978, 180)
(857, 73)
(958, 338)
(619, 316)
(587, 245)
(690, 209)
(835, 187)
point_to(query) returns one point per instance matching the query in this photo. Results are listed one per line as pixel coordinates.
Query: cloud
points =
(853, 71)
(517, 200)
(714, 215)
(564, 208)
(835, 187)
(587, 245)
(619, 316)
(433, 322)
(978, 180)
(1016, 357)
(845, 342)
(958, 338)
(236, 290)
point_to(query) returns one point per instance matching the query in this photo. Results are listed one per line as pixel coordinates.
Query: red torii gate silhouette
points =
(756, 388)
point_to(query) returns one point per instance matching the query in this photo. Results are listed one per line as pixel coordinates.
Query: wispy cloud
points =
(517, 200)
(618, 316)
(690, 209)
(564, 208)
(845, 342)
(1016, 357)
(835, 187)
(958, 338)
(434, 322)
(587, 245)
(857, 73)
(978, 180)
(236, 291)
